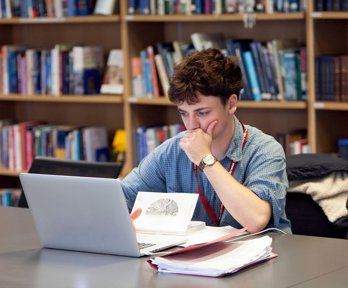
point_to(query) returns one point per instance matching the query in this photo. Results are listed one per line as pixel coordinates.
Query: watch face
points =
(209, 160)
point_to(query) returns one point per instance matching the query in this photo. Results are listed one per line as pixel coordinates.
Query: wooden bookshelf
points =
(61, 20)
(241, 104)
(73, 110)
(93, 99)
(132, 33)
(11, 173)
(214, 18)
(327, 120)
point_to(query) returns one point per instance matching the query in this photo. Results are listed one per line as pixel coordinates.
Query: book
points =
(165, 213)
(113, 78)
(163, 77)
(216, 258)
(105, 7)
(137, 79)
(87, 63)
(288, 66)
(252, 75)
(203, 41)
(153, 72)
(95, 142)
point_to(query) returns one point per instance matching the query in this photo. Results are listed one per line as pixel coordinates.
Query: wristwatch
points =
(207, 160)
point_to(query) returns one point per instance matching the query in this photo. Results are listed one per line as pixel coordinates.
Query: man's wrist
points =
(207, 160)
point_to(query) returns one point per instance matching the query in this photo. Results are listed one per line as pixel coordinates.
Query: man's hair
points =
(207, 72)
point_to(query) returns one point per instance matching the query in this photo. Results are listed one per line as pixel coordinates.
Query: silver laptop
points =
(87, 214)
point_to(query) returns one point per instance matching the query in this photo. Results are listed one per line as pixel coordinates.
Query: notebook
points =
(87, 214)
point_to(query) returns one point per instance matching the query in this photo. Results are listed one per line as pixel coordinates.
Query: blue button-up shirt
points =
(261, 167)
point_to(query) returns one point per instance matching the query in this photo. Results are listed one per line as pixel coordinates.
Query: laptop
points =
(49, 165)
(87, 214)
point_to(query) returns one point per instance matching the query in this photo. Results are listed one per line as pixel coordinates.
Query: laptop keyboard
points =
(144, 245)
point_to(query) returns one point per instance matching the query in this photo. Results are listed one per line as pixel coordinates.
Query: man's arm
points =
(245, 206)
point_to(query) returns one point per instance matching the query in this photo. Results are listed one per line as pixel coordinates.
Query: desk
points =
(303, 262)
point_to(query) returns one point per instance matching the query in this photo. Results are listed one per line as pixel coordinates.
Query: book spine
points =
(251, 72)
(154, 79)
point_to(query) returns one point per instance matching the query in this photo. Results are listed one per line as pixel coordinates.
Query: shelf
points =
(61, 20)
(214, 18)
(329, 15)
(64, 99)
(273, 104)
(149, 101)
(338, 106)
(7, 172)
(241, 104)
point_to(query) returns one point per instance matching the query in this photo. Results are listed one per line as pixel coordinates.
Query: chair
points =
(307, 217)
(305, 214)
(46, 165)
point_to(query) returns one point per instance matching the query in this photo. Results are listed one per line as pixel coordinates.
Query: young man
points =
(238, 171)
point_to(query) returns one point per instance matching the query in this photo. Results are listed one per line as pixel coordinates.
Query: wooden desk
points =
(303, 262)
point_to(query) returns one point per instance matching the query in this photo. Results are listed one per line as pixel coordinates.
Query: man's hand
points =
(135, 214)
(197, 143)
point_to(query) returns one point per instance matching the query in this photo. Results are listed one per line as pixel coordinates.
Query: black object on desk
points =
(47, 165)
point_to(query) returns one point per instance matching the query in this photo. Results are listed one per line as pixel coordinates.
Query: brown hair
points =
(208, 72)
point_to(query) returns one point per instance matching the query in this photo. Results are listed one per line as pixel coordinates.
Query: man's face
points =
(207, 110)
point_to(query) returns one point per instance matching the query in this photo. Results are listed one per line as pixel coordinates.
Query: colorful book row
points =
(21, 142)
(63, 70)
(213, 7)
(331, 5)
(9, 197)
(55, 8)
(332, 78)
(148, 138)
(272, 70)
(294, 142)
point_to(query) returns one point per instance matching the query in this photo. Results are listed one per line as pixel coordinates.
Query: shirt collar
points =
(234, 152)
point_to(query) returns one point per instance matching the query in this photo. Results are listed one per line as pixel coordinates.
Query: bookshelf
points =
(74, 110)
(324, 121)
(327, 119)
(270, 116)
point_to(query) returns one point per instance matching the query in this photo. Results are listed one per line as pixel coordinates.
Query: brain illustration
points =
(163, 207)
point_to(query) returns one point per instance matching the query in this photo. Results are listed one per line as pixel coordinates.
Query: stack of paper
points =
(215, 260)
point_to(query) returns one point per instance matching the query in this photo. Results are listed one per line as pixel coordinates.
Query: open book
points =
(166, 213)
(217, 259)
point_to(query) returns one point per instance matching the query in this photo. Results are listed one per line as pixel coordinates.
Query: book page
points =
(164, 213)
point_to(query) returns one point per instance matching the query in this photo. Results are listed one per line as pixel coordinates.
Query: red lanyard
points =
(204, 200)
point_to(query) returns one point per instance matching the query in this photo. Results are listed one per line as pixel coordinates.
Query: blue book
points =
(261, 74)
(294, 6)
(317, 76)
(143, 58)
(251, 73)
(71, 7)
(12, 70)
(6, 199)
(329, 5)
(144, 6)
(141, 144)
(239, 47)
(199, 6)
(37, 72)
(91, 81)
(133, 6)
(272, 84)
(288, 64)
(344, 5)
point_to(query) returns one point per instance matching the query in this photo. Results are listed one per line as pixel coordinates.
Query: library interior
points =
(84, 92)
